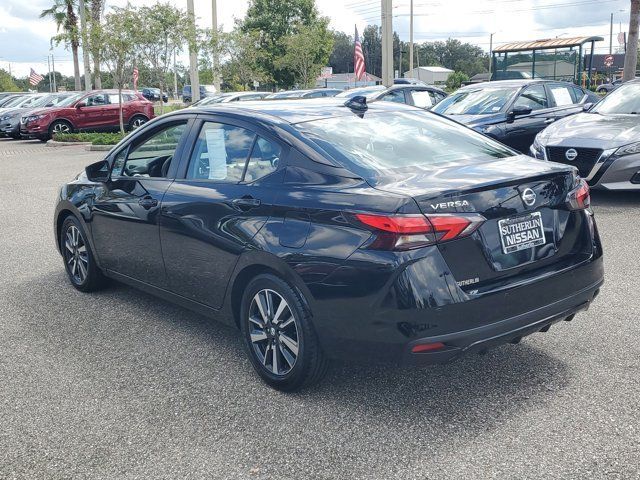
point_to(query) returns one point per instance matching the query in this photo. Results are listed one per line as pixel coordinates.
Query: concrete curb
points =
(53, 143)
(98, 148)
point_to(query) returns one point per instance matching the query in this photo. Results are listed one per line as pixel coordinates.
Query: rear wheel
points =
(279, 336)
(79, 261)
(137, 121)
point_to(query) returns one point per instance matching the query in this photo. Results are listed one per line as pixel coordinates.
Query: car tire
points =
(60, 126)
(137, 121)
(79, 261)
(270, 328)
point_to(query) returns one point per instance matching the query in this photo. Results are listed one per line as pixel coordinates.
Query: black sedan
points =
(153, 94)
(515, 111)
(329, 229)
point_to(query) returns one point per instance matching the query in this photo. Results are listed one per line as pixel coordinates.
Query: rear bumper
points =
(510, 330)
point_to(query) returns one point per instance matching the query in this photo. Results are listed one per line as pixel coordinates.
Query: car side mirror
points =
(587, 106)
(518, 111)
(81, 104)
(98, 172)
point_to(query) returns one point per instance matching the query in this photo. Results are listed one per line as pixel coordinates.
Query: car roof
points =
(511, 83)
(293, 111)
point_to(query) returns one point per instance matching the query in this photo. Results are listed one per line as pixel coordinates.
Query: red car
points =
(93, 111)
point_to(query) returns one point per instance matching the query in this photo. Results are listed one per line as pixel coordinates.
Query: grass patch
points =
(167, 108)
(93, 138)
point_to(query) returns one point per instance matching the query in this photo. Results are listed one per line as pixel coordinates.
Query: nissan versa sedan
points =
(602, 143)
(328, 229)
(514, 111)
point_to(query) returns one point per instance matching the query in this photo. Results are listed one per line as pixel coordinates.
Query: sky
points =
(25, 38)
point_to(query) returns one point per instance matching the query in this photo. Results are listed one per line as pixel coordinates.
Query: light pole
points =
(214, 26)
(387, 43)
(410, 37)
(85, 51)
(193, 56)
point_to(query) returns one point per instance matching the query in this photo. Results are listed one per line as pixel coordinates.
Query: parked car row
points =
(44, 114)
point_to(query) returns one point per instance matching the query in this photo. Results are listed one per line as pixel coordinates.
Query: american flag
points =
(34, 78)
(135, 78)
(358, 59)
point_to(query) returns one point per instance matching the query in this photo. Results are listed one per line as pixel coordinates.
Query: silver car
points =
(603, 143)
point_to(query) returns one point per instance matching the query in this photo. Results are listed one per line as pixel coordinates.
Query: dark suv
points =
(205, 91)
(515, 111)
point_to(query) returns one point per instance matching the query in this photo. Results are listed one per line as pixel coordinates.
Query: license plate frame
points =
(531, 235)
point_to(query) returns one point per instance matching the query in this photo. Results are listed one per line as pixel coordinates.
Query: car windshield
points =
(484, 101)
(365, 92)
(42, 101)
(15, 101)
(208, 100)
(69, 100)
(624, 100)
(292, 94)
(395, 142)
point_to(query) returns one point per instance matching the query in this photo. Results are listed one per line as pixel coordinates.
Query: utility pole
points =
(85, 50)
(631, 54)
(490, 54)
(49, 68)
(387, 43)
(216, 60)
(193, 56)
(53, 68)
(611, 35)
(175, 76)
(410, 37)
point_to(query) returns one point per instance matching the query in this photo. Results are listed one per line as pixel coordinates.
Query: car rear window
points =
(378, 142)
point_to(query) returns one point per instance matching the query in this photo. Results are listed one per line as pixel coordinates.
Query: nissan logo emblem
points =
(571, 154)
(528, 197)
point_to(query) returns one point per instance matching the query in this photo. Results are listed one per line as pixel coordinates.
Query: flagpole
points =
(49, 68)
(53, 68)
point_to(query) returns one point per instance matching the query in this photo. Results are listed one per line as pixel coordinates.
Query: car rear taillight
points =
(404, 232)
(579, 198)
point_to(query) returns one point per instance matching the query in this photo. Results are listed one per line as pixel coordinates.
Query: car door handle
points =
(148, 202)
(246, 203)
(549, 120)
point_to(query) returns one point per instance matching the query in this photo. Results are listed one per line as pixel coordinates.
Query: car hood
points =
(477, 120)
(593, 130)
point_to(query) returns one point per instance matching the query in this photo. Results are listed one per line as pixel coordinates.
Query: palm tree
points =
(63, 13)
(96, 9)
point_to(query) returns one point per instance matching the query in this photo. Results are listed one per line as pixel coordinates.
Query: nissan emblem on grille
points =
(528, 197)
(571, 154)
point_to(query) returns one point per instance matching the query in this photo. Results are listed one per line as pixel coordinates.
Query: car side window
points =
(152, 157)
(394, 96)
(113, 98)
(264, 159)
(314, 95)
(96, 100)
(533, 97)
(422, 98)
(220, 153)
(578, 94)
(562, 95)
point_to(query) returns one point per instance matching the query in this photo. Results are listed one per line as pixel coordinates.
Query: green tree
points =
(341, 58)
(372, 49)
(118, 38)
(6, 82)
(456, 79)
(63, 13)
(162, 29)
(271, 22)
(243, 60)
(307, 51)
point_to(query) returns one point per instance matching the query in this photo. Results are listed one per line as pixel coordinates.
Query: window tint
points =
(533, 97)
(152, 157)
(485, 101)
(394, 96)
(113, 98)
(314, 95)
(95, 100)
(220, 153)
(264, 159)
(578, 94)
(562, 95)
(421, 98)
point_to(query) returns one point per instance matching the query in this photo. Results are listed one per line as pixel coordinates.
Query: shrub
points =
(455, 80)
(93, 138)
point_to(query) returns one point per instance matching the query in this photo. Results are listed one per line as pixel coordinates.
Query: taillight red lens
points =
(580, 197)
(427, 347)
(404, 232)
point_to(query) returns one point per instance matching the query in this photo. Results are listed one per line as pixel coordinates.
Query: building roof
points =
(433, 69)
(546, 44)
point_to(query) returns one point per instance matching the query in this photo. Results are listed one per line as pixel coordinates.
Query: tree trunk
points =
(631, 55)
(120, 108)
(96, 70)
(161, 102)
(76, 67)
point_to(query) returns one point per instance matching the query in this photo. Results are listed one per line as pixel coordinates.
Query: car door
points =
(520, 130)
(563, 100)
(211, 214)
(111, 111)
(90, 111)
(125, 211)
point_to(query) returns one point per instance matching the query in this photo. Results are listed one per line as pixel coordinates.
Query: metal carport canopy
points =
(546, 44)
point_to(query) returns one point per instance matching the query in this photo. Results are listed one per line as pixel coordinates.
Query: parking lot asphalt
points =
(120, 384)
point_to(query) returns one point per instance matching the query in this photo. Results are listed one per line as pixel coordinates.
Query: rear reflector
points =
(404, 232)
(427, 347)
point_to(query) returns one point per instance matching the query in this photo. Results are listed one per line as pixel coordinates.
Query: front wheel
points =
(137, 121)
(279, 336)
(79, 262)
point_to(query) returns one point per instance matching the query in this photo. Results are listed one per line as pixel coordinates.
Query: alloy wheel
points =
(61, 128)
(273, 332)
(138, 122)
(76, 255)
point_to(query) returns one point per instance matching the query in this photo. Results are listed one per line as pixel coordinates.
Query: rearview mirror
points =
(98, 172)
(81, 104)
